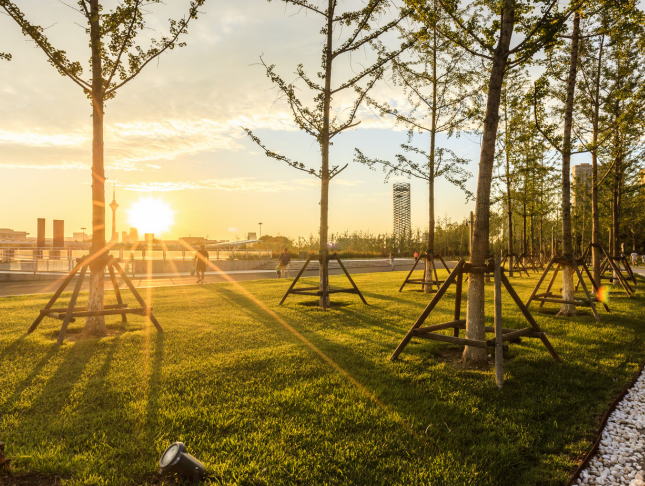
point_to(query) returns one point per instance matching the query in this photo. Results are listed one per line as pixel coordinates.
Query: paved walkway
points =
(170, 280)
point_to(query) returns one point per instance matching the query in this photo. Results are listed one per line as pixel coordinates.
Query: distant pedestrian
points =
(391, 259)
(199, 262)
(285, 263)
(416, 255)
(634, 256)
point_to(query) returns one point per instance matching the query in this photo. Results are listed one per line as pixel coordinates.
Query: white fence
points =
(63, 259)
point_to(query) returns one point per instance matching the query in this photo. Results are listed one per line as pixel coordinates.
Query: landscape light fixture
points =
(177, 460)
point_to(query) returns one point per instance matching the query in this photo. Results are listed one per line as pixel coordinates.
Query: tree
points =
(317, 120)
(438, 66)
(116, 59)
(565, 147)
(489, 37)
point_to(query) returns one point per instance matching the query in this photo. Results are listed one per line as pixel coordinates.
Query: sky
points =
(174, 133)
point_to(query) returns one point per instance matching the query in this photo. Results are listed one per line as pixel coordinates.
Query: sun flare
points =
(150, 215)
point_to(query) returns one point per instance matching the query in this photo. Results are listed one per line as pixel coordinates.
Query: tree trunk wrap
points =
(476, 296)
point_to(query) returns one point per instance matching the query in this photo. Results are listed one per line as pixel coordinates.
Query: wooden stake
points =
(499, 353)
(117, 292)
(295, 280)
(72, 303)
(137, 296)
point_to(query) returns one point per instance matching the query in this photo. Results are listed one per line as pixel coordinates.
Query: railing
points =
(63, 259)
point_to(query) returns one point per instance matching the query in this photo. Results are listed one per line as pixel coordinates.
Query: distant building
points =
(193, 240)
(401, 203)
(7, 234)
(114, 206)
(252, 236)
(132, 237)
(80, 237)
(581, 183)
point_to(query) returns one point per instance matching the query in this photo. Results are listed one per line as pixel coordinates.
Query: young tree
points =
(438, 81)
(565, 147)
(490, 39)
(115, 60)
(318, 120)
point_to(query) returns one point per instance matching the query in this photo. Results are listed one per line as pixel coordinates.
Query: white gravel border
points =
(620, 459)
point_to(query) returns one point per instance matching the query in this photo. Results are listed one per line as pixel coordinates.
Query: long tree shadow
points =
(20, 388)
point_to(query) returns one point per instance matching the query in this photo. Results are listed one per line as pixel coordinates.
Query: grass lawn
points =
(291, 395)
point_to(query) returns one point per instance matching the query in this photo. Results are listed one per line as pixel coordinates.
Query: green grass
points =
(291, 395)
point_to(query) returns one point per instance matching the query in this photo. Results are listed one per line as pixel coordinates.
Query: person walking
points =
(285, 262)
(199, 262)
(391, 259)
(634, 256)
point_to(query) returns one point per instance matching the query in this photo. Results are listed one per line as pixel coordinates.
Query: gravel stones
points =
(620, 459)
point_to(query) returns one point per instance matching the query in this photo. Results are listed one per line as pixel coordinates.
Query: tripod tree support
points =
(501, 334)
(609, 263)
(428, 255)
(587, 301)
(516, 264)
(71, 312)
(323, 258)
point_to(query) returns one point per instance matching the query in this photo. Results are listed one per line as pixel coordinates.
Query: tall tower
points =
(114, 206)
(401, 200)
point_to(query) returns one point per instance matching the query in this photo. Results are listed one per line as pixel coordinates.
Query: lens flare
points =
(603, 295)
(150, 215)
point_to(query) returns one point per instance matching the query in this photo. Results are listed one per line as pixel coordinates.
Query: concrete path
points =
(169, 280)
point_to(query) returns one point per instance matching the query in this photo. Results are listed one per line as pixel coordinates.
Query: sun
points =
(150, 215)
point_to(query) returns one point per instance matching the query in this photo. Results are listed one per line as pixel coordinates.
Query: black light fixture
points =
(177, 460)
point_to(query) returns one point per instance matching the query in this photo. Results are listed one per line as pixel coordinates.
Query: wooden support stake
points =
(72, 303)
(409, 274)
(435, 300)
(499, 353)
(584, 288)
(117, 292)
(137, 296)
(529, 317)
(351, 280)
(55, 297)
(458, 293)
(295, 280)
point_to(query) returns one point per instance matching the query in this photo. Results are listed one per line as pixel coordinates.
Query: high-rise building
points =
(114, 206)
(581, 180)
(401, 203)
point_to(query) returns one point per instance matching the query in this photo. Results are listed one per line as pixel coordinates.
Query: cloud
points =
(132, 146)
(315, 182)
(235, 184)
(61, 166)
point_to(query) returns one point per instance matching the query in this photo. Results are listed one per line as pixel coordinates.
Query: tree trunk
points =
(429, 273)
(96, 325)
(475, 315)
(324, 148)
(568, 291)
(509, 202)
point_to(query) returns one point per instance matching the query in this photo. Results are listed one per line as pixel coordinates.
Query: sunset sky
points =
(175, 132)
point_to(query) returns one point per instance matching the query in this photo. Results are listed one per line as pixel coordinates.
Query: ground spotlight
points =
(177, 460)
